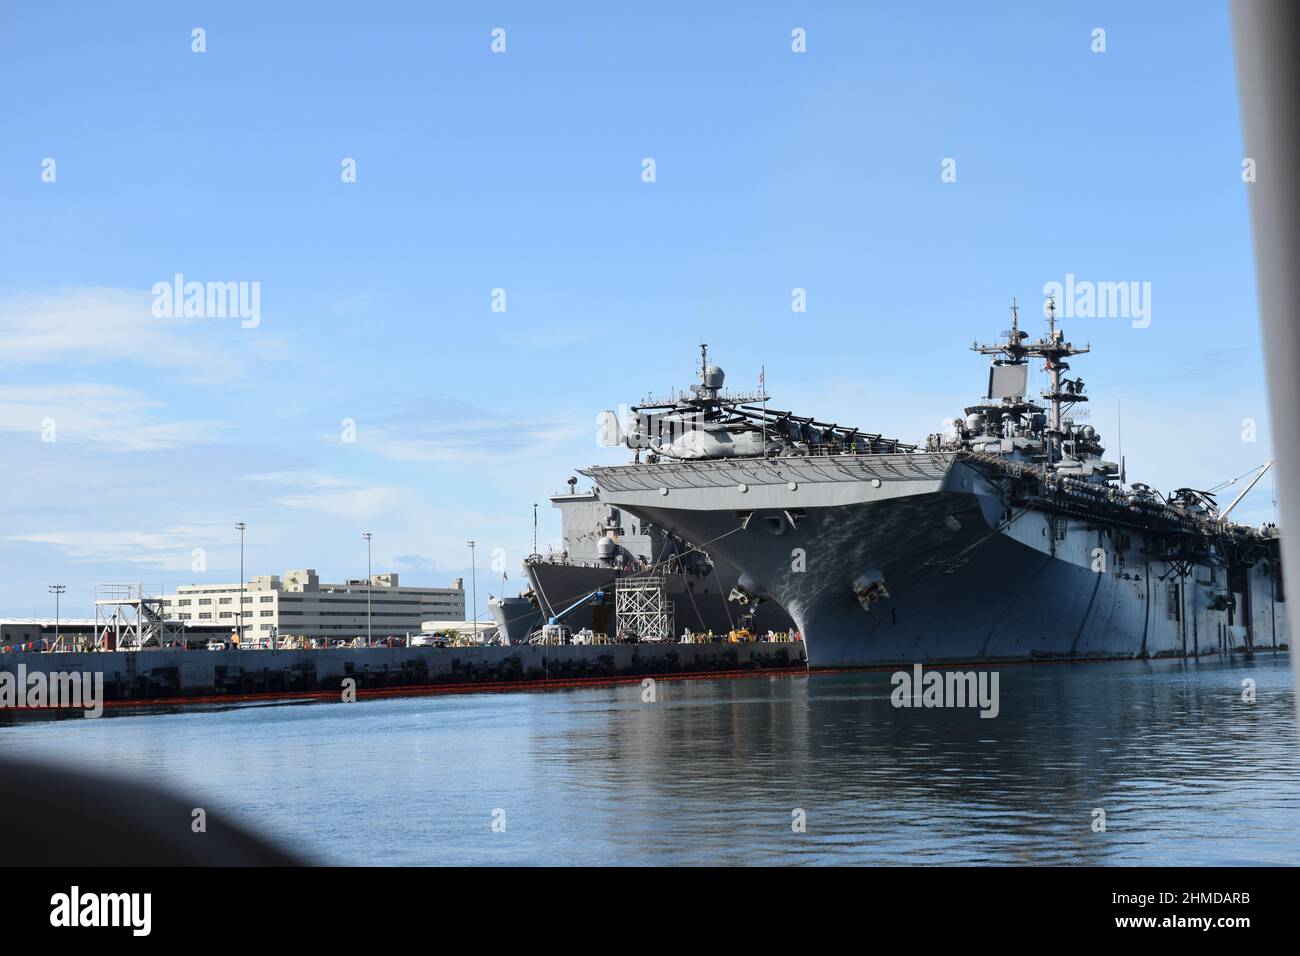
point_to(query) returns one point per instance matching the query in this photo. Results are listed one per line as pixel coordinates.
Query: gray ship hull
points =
(516, 618)
(964, 583)
(699, 602)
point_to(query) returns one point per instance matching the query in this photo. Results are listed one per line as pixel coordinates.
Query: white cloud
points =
(101, 325)
(339, 497)
(414, 526)
(358, 503)
(453, 432)
(461, 446)
(108, 415)
(171, 549)
(305, 479)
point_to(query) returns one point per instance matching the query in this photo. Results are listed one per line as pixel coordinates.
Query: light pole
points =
(473, 580)
(56, 590)
(239, 617)
(366, 535)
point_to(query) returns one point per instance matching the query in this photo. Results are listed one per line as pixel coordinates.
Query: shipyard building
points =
(299, 604)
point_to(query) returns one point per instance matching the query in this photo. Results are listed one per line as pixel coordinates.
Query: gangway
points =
(130, 617)
(641, 608)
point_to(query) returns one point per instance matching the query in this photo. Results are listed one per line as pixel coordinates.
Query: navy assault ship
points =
(1009, 539)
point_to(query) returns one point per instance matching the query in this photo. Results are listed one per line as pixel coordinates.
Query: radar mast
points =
(1053, 350)
(1013, 349)
(710, 379)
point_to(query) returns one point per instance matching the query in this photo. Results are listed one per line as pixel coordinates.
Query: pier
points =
(175, 676)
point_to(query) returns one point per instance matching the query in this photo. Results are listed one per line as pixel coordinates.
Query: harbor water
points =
(722, 771)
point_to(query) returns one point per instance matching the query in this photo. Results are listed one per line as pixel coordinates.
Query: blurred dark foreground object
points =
(52, 816)
(1267, 35)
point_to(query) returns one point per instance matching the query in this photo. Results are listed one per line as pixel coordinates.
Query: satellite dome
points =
(605, 548)
(713, 377)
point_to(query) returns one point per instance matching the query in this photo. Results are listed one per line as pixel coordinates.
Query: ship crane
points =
(554, 631)
(594, 598)
(1245, 491)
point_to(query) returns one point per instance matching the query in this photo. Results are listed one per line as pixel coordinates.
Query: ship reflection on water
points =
(714, 771)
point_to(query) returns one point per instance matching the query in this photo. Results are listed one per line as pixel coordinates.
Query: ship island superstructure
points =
(1009, 538)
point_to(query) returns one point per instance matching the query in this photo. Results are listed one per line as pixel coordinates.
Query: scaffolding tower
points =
(641, 608)
(129, 617)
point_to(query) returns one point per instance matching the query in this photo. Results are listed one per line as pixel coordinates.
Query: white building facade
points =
(299, 604)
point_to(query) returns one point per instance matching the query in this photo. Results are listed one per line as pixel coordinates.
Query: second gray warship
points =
(602, 546)
(1009, 539)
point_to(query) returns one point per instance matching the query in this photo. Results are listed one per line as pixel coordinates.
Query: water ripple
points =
(716, 771)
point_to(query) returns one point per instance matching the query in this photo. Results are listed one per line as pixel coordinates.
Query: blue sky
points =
(522, 171)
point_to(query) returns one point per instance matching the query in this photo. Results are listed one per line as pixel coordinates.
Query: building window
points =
(268, 614)
(206, 614)
(226, 600)
(267, 598)
(185, 603)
